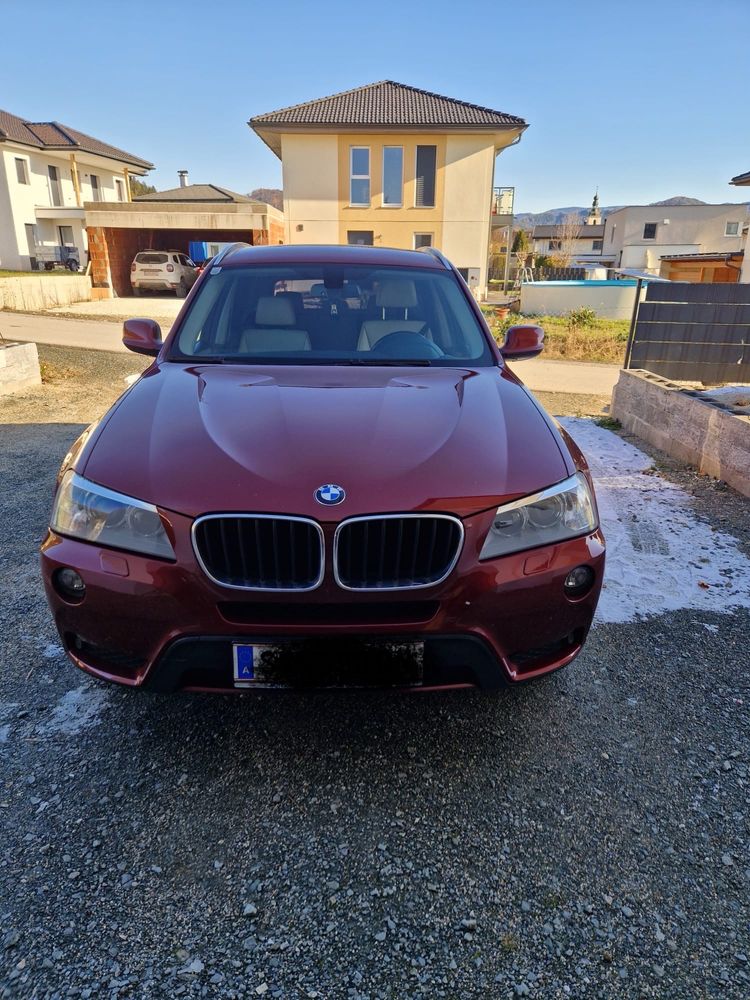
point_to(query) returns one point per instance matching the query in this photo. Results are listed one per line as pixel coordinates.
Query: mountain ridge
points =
(555, 216)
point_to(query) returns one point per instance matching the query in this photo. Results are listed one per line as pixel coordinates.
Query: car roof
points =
(330, 254)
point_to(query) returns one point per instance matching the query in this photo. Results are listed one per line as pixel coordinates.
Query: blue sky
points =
(643, 99)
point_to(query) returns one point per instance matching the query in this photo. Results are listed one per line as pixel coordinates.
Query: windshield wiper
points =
(389, 362)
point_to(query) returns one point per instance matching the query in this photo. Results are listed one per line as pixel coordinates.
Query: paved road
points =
(585, 837)
(538, 374)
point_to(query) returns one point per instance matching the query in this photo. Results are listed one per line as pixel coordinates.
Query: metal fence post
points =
(633, 322)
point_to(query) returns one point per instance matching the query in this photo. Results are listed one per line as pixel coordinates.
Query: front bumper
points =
(165, 626)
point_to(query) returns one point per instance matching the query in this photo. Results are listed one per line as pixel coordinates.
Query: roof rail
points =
(434, 252)
(218, 260)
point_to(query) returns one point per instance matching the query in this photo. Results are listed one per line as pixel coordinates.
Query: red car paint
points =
(460, 441)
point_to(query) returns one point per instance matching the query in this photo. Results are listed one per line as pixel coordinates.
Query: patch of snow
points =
(710, 628)
(78, 709)
(737, 396)
(131, 379)
(660, 555)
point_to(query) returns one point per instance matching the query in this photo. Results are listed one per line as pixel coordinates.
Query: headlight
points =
(554, 515)
(95, 514)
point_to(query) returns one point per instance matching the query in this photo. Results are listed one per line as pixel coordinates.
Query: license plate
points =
(151, 270)
(373, 664)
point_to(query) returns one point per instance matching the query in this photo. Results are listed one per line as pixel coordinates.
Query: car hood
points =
(202, 438)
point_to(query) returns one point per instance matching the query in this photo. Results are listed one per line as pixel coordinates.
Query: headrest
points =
(396, 294)
(273, 310)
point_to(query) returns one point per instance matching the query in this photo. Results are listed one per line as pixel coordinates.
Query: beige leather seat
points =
(397, 293)
(275, 330)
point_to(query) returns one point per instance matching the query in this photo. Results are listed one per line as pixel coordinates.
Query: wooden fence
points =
(693, 332)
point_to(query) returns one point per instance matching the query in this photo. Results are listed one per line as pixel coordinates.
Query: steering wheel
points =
(406, 344)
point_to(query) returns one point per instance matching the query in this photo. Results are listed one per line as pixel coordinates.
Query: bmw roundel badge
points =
(330, 494)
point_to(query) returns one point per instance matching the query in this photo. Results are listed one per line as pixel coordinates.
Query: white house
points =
(585, 242)
(639, 235)
(47, 172)
(741, 180)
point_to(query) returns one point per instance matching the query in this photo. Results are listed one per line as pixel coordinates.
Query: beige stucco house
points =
(391, 165)
(743, 180)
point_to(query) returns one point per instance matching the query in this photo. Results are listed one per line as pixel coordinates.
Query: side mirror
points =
(143, 336)
(522, 342)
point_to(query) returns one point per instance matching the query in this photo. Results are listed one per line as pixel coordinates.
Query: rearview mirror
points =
(143, 336)
(522, 342)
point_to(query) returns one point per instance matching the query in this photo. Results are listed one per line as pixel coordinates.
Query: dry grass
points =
(56, 272)
(603, 340)
(53, 373)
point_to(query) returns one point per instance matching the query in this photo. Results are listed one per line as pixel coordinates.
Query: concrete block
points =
(19, 367)
(709, 436)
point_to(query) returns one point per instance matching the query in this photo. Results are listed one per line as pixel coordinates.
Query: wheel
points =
(72, 265)
(181, 290)
(137, 292)
(49, 266)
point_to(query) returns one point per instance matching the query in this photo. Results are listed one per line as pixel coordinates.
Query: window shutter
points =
(426, 164)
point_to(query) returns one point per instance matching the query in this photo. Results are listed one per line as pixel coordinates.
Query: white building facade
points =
(47, 172)
(637, 236)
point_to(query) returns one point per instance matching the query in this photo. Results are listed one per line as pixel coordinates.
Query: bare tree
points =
(566, 241)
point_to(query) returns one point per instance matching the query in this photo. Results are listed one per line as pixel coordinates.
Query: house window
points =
(649, 231)
(66, 236)
(393, 175)
(597, 244)
(22, 170)
(120, 188)
(422, 240)
(731, 228)
(359, 176)
(555, 244)
(360, 237)
(54, 186)
(425, 176)
(96, 194)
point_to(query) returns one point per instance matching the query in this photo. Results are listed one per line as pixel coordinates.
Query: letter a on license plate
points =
(244, 666)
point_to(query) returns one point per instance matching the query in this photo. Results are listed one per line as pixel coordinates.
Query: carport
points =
(117, 231)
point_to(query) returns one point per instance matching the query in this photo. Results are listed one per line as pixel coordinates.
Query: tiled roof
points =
(391, 104)
(195, 192)
(53, 135)
(741, 179)
(555, 232)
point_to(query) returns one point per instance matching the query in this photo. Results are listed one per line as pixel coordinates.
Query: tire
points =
(137, 292)
(181, 290)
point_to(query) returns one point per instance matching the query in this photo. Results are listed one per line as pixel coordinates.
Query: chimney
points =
(183, 175)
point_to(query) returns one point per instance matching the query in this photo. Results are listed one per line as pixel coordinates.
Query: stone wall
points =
(33, 294)
(701, 432)
(19, 367)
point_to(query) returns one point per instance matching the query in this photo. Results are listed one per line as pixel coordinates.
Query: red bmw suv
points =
(327, 477)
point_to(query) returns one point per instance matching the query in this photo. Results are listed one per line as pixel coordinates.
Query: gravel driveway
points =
(583, 837)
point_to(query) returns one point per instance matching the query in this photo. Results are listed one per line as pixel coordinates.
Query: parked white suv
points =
(162, 270)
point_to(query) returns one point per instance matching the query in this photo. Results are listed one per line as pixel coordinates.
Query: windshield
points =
(328, 314)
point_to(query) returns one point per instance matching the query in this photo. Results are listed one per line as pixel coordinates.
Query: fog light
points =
(69, 584)
(578, 581)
